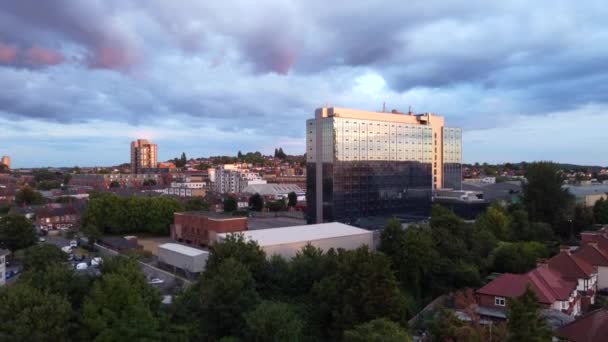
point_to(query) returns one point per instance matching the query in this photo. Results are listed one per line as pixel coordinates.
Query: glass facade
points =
(452, 158)
(377, 168)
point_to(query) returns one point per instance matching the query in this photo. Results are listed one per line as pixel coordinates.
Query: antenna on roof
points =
(383, 107)
(409, 110)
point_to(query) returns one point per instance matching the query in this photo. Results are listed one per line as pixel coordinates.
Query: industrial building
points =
(198, 228)
(287, 241)
(362, 164)
(187, 259)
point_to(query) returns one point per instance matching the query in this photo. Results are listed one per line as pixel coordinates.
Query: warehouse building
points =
(289, 240)
(190, 261)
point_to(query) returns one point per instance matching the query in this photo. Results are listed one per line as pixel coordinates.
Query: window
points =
(499, 301)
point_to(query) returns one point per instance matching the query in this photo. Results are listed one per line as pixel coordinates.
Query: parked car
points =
(41, 239)
(67, 249)
(73, 243)
(155, 281)
(82, 266)
(96, 261)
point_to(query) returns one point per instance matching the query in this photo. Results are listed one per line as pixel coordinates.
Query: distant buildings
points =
(144, 154)
(275, 191)
(6, 160)
(362, 164)
(234, 179)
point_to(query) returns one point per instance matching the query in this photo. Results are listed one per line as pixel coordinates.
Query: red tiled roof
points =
(592, 255)
(551, 285)
(592, 327)
(570, 266)
(547, 284)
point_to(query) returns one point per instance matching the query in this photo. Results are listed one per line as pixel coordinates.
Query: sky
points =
(79, 80)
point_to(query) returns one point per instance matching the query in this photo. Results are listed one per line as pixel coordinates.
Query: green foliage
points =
(48, 185)
(230, 204)
(181, 161)
(203, 166)
(29, 314)
(149, 182)
(114, 184)
(308, 267)
(16, 232)
(28, 196)
(544, 198)
(116, 311)
(278, 205)
(40, 257)
(256, 202)
(377, 330)
(292, 199)
(218, 302)
(518, 257)
(274, 322)
(278, 153)
(524, 320)
(112, 214)
(600, 211)
(234, 246)
(496, 220)
(363, 287)
(197, 204)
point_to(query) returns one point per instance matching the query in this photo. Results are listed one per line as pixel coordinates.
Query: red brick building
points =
(199, 228)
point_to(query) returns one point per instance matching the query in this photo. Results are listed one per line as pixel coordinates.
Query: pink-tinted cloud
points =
(8, 53)
(112, 57)
(39, 56)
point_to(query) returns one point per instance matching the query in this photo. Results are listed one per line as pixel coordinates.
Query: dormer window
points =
(499, 301)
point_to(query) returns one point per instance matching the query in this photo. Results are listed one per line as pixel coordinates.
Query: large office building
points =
(143, 155)
(366, 164)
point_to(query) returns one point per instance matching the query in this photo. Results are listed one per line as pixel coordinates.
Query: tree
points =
(115, 310)
(234, 246)
(495, 220)
(292, 199)
(377, 330)
(230, 204)
(240, 155)
(600, 211)
(524, 320)
(274, 321)
(543, 195)
(149, 182)
(518, 257)
(28, 196)
(114, 184)
(362, 288)
(16, 232)
(256, 202)
(28, 314)
(278, 205)
(214, 306)
(40, 257)
(308, 267)
(197, 204)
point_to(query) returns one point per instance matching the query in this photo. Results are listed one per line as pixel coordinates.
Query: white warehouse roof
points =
(272, 189)
(294, 234)
(181, 249)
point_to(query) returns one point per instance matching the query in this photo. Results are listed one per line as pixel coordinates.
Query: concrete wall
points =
(192, 264)
(289, 251)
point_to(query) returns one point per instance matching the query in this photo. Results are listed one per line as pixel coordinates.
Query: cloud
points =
(8, 53)
(37, 55)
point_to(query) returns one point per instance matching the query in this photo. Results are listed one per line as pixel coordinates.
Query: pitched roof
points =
(592, 327)
(592, 255)
(571, 266)
(547, 284)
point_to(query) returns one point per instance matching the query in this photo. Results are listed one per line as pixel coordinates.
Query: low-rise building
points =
(287, 241)
(275, 191)
(574, 268)
(185, 258)
(199, 228)
(57, 217)
(552, 291)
